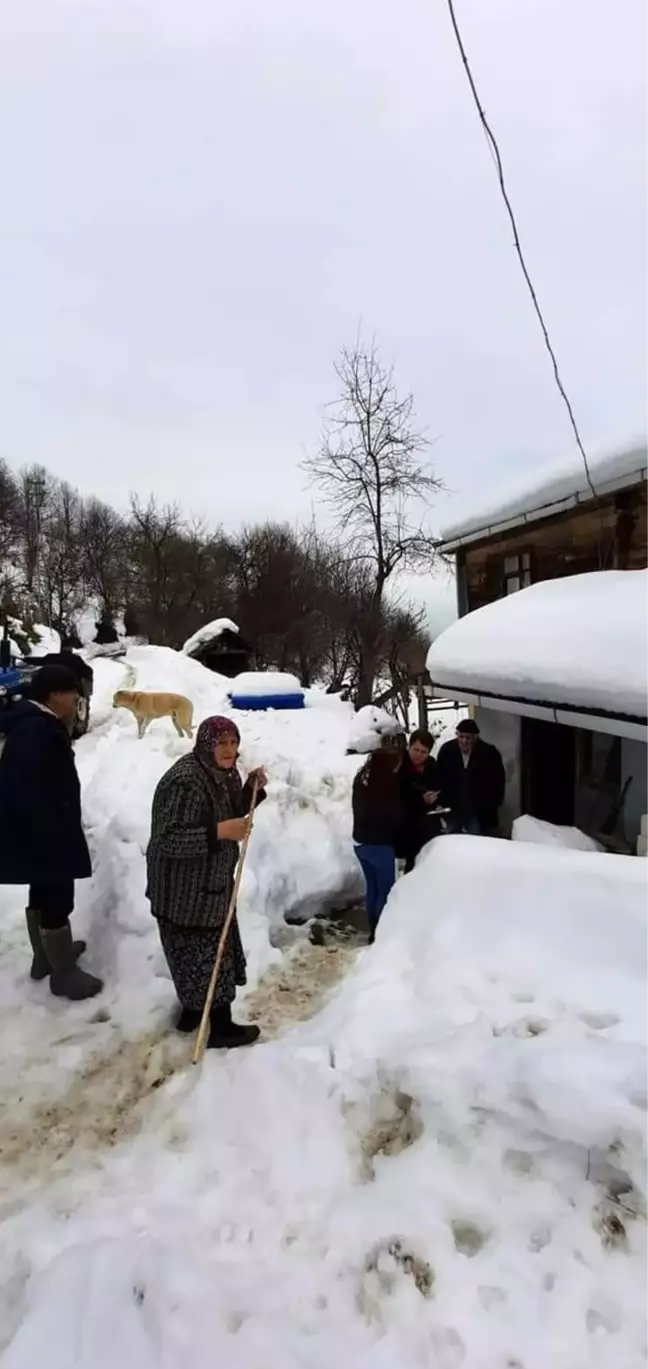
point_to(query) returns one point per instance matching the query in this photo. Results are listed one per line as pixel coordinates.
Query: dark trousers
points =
(465, 822)
(379, 869)
(54, 903)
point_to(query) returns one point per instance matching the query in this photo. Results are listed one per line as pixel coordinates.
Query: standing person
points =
(377, 826)
(42, 843)
(421, 788)
(473, 781)
(199, 816)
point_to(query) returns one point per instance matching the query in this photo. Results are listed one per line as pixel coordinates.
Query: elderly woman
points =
(199, 816)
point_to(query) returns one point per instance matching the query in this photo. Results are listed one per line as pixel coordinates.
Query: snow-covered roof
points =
(209, 633)
(551, 491)
(579, 642)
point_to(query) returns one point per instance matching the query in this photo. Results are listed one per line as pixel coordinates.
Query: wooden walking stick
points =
(203, 1032)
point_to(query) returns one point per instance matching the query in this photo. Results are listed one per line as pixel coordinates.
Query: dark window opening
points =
(599, 761)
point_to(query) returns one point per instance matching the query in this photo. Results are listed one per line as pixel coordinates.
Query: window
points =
(517, 572)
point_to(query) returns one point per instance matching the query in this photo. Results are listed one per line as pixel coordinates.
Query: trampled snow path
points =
(113, 1095)
(300, 860)
(443, 1168)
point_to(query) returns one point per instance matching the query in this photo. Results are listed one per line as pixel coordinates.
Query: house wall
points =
(610, 535)
(503, 730)
(634, 761)
(592, 806)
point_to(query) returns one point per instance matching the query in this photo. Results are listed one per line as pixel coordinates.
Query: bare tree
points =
(104, 556)
(35, 487)
(154, 537)
(62, 589)
(370, 471)
(9, 510)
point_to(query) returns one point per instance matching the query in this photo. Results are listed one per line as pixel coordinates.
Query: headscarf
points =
(210, 732)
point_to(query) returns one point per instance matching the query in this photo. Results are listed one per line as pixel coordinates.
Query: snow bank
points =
(300, 862)
(48, 640)
(209, 633)
(369, 725)
(423, 1175)
(542, 833)
(563, 481)
(581, 641)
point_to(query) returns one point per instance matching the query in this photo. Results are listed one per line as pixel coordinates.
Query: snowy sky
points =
(201, 202)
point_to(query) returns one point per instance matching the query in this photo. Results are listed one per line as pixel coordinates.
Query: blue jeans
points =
(379, 869)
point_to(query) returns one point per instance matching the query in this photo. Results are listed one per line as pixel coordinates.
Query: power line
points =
(495, 152)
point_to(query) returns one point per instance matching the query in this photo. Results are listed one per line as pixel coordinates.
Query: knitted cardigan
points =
(189, 870)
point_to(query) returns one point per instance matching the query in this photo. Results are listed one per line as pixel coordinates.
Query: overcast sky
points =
(200, 203)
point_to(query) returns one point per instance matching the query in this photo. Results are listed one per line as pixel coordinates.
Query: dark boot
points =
(226, 1035)
(40, 964)
(66, 979)
(188, 1020)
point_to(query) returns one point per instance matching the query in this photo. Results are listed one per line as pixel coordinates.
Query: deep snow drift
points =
(300, 861)
(443, 1169)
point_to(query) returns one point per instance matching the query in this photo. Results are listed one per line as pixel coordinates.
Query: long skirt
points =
(190, 953)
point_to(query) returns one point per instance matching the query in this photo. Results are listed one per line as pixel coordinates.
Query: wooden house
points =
(555, 527)
(569, 765)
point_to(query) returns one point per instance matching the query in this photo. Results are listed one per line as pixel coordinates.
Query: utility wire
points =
(495, 152)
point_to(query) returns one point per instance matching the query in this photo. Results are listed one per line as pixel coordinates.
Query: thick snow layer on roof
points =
(563, 481)
(208, 633)
(581, 641)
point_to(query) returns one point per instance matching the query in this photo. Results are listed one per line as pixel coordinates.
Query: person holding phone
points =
(421, 791)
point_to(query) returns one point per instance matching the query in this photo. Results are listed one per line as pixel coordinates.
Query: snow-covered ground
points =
(444, 1168)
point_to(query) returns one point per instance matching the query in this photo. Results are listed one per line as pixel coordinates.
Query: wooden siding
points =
(609, 535)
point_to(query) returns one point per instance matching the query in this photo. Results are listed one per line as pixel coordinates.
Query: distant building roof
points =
(576, 643)
(211, 632)
(551, 491)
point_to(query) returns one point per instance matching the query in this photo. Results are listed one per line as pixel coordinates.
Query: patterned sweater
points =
(189, 870)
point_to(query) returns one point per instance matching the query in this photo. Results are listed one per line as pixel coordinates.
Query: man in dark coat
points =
(42, 843)
(420, 786)
(472, 780)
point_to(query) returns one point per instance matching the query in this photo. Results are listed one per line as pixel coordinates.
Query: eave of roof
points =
(543, 511)
(570, 715)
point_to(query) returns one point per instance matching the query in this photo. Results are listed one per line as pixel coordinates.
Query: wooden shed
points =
(220, 647)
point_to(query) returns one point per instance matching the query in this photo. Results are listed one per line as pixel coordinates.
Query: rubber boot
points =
(66, 979)
(226, 1035)
(188, 1020)
(40, 964)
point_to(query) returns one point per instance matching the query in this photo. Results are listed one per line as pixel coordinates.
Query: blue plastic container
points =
(260, 702)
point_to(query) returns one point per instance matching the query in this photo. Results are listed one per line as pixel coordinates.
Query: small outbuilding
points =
(220, 647)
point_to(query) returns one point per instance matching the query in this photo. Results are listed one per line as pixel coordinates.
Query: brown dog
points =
(148, 706)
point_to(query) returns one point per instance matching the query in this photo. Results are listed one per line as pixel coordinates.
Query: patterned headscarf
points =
(210, 732)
